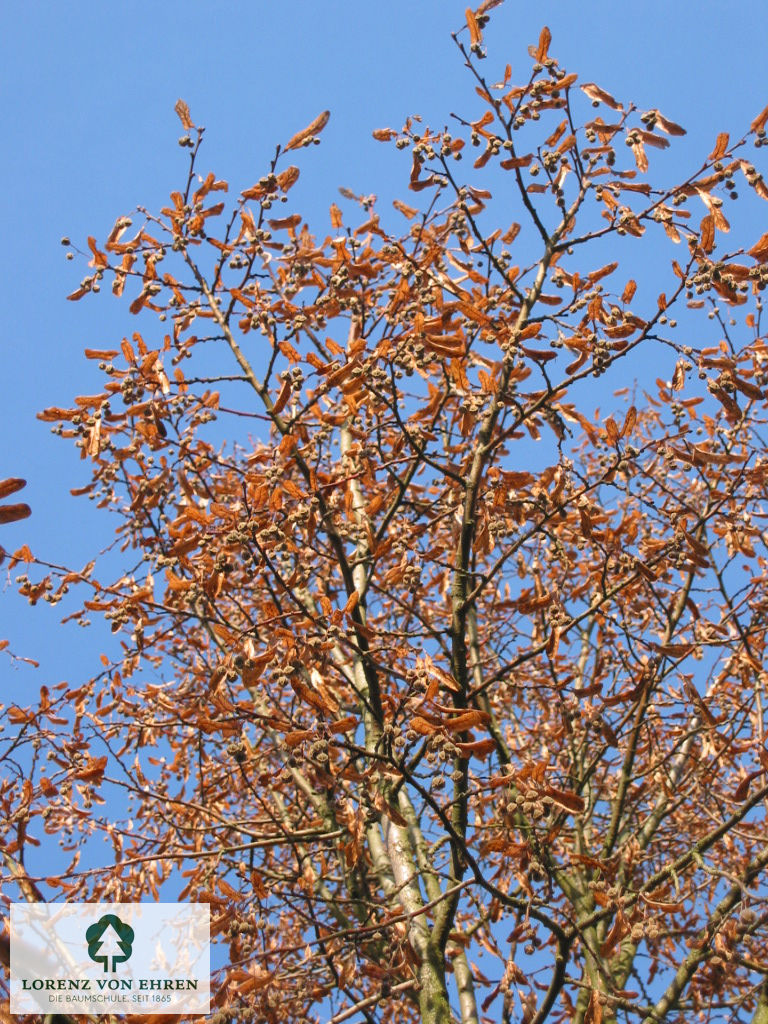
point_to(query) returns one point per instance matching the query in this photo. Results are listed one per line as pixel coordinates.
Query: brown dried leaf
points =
(295, 739)
(92, 770)
(283, 396)
(516, 162)
(759, 250)
(545, 38)
(629, 421)
(182, 110)
(285, 223)
(100, 353)
(598, 95)
(760, 121)
(594, 1014)
(344, 724)
(664, 905)
(12, 513)
(565, 798)
(671, 231)
(641, 159)
(714, 207)
(475, 35)
(742, 790)
(666, 125)
(619, 929)
(407, 211)
(311, 131)
(465, 721)
(287, 178)
(721, 146)
(707, 233)
(477, 748)
(11, 485)
(657, 141)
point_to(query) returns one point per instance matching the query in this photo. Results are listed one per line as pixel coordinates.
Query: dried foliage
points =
(446, 692)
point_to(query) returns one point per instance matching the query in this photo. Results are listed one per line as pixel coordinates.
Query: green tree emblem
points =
(109, 938)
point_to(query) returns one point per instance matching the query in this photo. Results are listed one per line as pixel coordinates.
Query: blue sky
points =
(89, 131)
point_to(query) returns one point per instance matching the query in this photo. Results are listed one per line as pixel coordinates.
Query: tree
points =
(431, 660)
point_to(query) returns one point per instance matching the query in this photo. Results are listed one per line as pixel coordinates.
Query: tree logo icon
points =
(109, 939)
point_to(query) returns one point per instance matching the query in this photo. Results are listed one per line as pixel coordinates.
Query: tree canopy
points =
(442, 686)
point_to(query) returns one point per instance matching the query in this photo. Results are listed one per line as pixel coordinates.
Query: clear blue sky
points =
(89, 131)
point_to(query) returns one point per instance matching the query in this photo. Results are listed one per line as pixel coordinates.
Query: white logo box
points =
(138, 958)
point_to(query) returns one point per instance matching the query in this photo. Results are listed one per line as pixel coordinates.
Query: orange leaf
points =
(12, 513)
(605, 271)
(669, 908)
(11, 485)
(545, 38)
(283, 396)
(282, 223)
(294, 739)
(668, 126)
(100, 353)
(477, 748)
(759, 250)
(742, 789)
(182, 110)
(707, 230)
(629, 421)
(475, 35)
(619, 929)
(594, 1014)
(529, 331)
(598, 95)
(721, 146)
(516, 162)
(714, 207)
(47, 787)
(92, 770)
(640, 158)
(407, 211)
(287, 178)
(466, 720)
(759, 122)
(310, 132)
(99, 259)
(336, 221)
(344, 724)
(565, 798)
